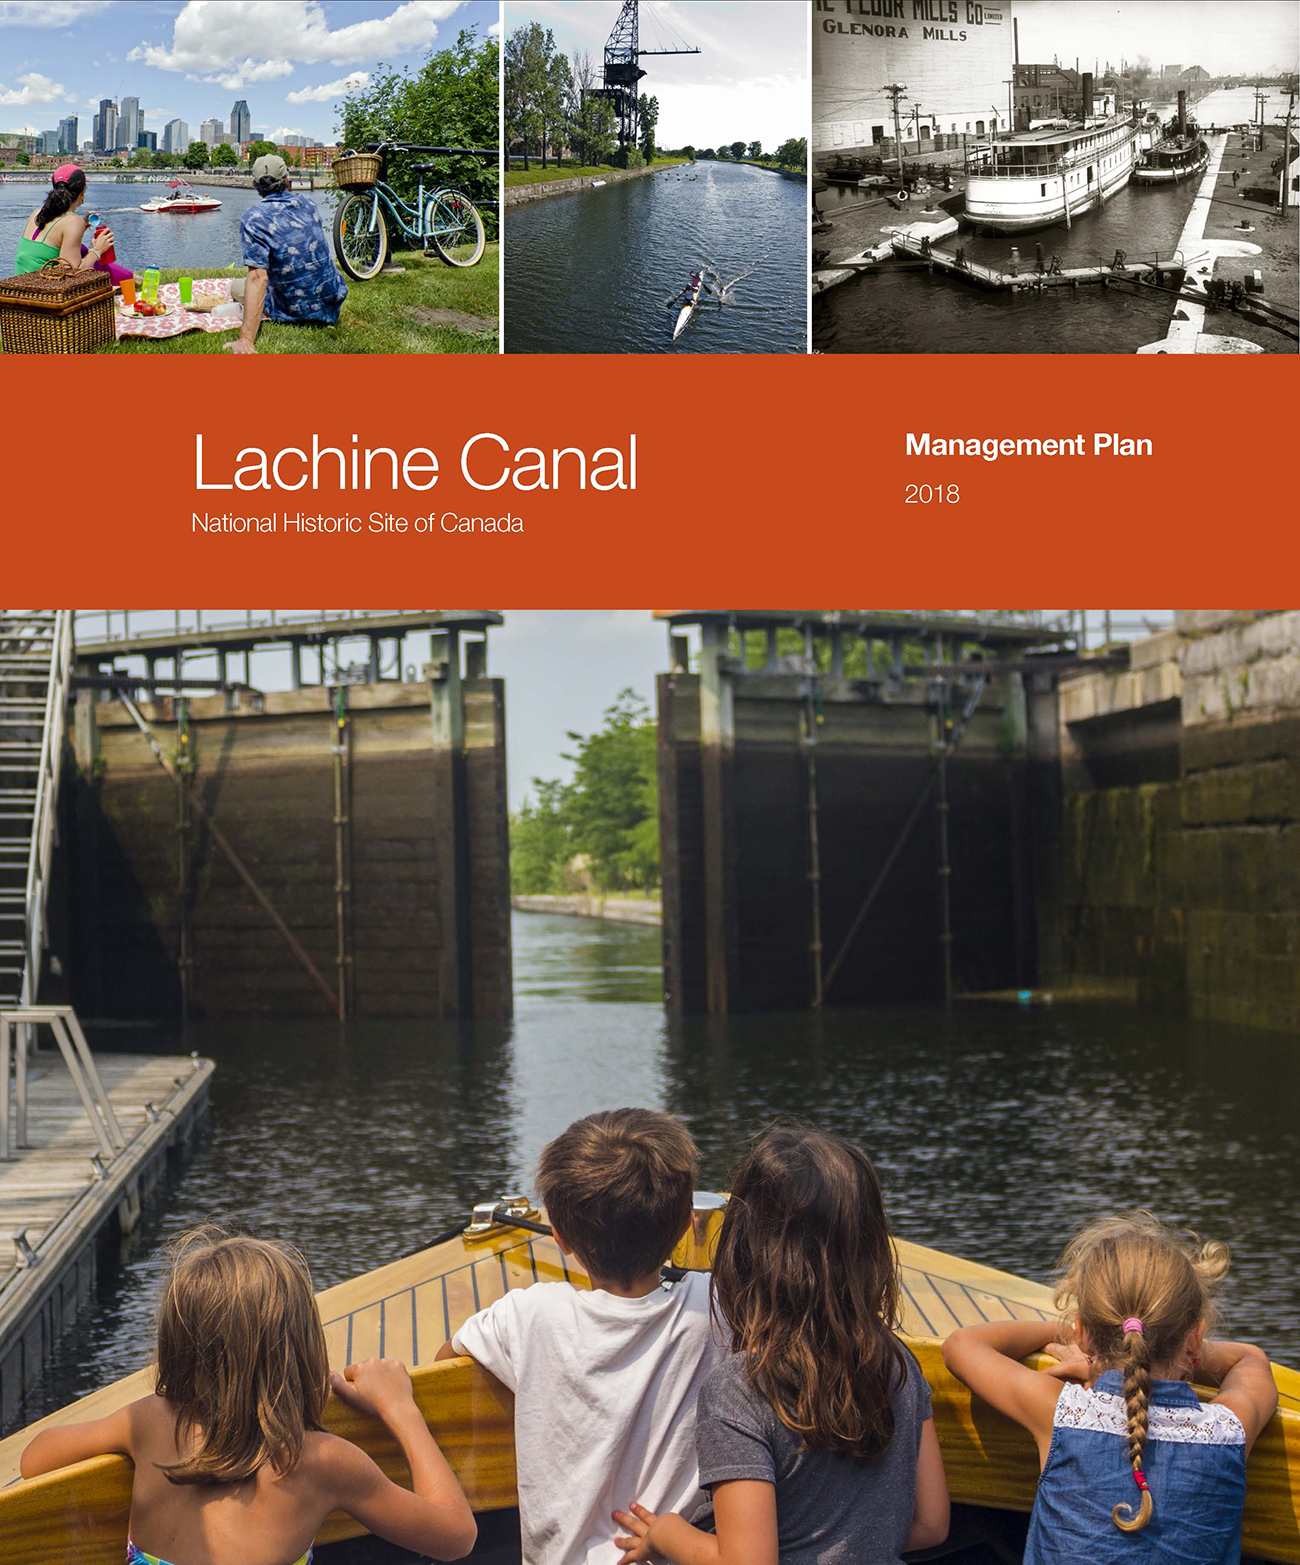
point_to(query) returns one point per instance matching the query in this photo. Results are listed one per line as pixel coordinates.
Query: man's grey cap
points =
(270, 166)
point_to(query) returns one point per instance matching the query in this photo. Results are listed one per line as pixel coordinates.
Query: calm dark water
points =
(590, 272)
(995, 1130)
(144, 239)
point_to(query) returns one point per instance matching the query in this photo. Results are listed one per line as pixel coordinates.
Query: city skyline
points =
(289, 62)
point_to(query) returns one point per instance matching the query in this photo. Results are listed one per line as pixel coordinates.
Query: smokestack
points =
(1087, 94)
(1015, 31)
(1182, 112)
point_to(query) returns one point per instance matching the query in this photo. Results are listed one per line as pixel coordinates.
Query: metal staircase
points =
(35, 665)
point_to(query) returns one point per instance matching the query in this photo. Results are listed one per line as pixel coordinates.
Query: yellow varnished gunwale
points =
(410, 1307)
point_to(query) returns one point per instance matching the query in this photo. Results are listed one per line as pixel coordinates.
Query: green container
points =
(186, 286)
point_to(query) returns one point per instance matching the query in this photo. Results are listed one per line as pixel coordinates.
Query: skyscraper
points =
(106, 137)
(128, 123)
(241, 122)
(50, 141)
(147, 139)
(94, 134)
(68, 134)
(176, 136)
(209, 131)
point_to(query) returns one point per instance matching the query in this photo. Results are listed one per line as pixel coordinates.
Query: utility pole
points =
(1286, 155)
(1011, 104)
(895, 93)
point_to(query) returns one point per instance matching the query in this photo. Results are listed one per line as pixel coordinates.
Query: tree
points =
(611, 806)
(793, 153)
(450, 100)
(708, 153)
(649, 115)
(163, 160)
(689, 153)
(723, 152)
(140, 157)
(23, 159)
(117, 163)
(261, 149)
(539, 841)
(525, 82)
(737, 150)
(224, 156)
(591, 119)
(754, 150)
(195, 156)
(553, 102)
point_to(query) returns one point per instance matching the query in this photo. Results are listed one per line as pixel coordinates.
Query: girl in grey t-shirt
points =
(815, 1438)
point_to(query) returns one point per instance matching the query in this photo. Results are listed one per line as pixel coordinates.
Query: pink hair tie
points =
(1139, 1478)
(1133, 1324)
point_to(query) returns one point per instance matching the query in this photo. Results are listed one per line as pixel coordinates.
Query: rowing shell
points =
(410, 1308)
(687, 310)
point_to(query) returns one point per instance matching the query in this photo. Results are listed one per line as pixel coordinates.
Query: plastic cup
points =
(128, 292)
(186, 286)
(152, 278)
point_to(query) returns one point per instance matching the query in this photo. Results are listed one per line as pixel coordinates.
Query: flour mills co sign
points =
(953, 57)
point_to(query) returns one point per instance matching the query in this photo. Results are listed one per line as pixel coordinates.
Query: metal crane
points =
(623, 73)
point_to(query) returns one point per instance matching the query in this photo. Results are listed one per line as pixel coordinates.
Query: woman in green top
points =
(55, 231)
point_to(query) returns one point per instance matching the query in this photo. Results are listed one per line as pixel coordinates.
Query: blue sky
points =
(291, 60)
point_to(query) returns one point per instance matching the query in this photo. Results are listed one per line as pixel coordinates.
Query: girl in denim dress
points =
(1135, 1467)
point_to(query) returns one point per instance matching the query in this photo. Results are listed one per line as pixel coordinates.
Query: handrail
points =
(44, 810)
(62, 1021)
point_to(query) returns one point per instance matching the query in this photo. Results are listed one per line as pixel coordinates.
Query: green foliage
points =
(754, 150)
(141, 158)
(163, 160)
(530, 51)
(737, 150)
(448, 101)
(591, 131)
(224, 156)
(539, 842)
(649, 113)
(195, 156)
(609, 812)
(793, 153)
(632, 158)
(261, 149)
(23, 159)
(689, 153)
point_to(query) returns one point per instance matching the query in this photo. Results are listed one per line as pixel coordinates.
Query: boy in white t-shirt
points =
(604, 1381)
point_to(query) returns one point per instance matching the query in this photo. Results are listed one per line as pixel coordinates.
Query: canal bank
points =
(620, 910)
(542, 189)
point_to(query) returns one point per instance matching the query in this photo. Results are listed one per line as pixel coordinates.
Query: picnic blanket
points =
(178, 318)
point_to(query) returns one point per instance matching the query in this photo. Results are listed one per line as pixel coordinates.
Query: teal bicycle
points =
(443, 219)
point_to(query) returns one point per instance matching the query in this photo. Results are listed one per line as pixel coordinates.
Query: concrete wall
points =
(1181, 822)
(516, 195)
(735, 815)
(428, 907)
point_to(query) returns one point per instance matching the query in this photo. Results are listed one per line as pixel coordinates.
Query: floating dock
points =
(63, 1197)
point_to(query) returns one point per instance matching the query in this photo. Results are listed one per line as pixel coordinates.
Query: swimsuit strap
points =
(137, 1556)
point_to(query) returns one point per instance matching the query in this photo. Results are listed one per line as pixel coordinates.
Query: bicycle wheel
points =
(360, 237)
(453, 224)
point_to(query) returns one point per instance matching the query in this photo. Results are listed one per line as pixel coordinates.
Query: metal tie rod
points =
(236, 863)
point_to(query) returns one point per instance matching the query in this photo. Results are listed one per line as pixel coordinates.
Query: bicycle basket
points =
(356, 170)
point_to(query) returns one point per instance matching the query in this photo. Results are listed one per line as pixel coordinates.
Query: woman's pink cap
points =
(63, 173)
(1133, 1324)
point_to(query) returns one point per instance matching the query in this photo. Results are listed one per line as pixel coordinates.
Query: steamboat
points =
(1033, 179)
(1180, 153)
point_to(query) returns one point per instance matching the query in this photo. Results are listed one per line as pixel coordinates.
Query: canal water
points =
(996, 1130)
(911, 311)
(591, 272)
(143, 239)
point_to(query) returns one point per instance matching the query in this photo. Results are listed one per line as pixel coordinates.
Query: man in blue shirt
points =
(292, 278)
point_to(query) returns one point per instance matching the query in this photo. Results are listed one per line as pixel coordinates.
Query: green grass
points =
(539, 175)
(381, 316)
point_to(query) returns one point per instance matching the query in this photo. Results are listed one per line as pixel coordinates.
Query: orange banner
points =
(607, 481)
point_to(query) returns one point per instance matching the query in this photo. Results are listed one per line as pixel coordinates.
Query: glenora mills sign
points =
(936, 21)
(952, 57)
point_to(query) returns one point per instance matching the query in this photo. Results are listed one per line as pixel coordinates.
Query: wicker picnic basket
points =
(355, 170)
(58, 309)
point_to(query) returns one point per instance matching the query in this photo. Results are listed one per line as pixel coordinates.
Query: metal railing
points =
(17, 1025)
(46, 802)
(95, 625)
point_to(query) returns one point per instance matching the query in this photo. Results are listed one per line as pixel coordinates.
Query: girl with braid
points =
(1135, 1467)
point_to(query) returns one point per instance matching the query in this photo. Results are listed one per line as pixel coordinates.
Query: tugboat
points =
(1179, 154)
(1036, 178)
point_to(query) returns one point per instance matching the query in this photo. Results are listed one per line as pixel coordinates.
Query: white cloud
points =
(495, 30)
(331, 91)
(214, 35)
(33, 88)
(248, 71)
(47, 13)
(281, 131)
